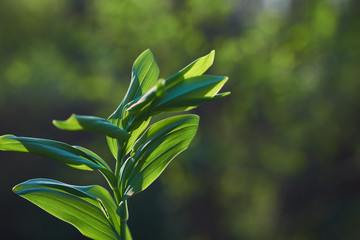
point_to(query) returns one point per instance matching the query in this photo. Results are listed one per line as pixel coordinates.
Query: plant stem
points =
(124, 216)
(124, 213)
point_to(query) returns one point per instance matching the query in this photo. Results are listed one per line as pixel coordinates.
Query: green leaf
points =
(128, 233)
(125, 172)
(145, 73)
(145, 100)
(155, 149)
(92, 124)
(108, 174)
(140, 109)
(184, 96)
(73, 156)
(191, 93)
(196, 68)
(90, 209)
(183, 91)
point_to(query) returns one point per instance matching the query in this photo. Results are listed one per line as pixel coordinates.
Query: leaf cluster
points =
(141, 152)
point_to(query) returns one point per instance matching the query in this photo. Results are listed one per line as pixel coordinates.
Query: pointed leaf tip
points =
(212, 54)
(196, 68)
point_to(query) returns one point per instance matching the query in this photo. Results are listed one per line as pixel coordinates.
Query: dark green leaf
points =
(73, 156)
(125, 172)
(190, 93)
(90, 209)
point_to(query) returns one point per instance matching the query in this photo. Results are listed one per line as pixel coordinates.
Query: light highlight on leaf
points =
(162, 142)
(145, 73)
(196, 68)
(92, 124)
(83, 207)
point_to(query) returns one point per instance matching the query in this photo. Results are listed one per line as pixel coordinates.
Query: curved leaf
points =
(92, 124)
(125, 172)
(190, 93)
(140, 103)
(175, 85)
(73, 156)
(108, 174)
(155, 149)
(196, 68)
(89, 208)
(145, 73)
(184, 96)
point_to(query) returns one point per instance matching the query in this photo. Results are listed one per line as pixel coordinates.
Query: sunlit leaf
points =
(145, 73)
(196, 68)
(128, 233)
(90, 209)
(183, 91)
(140, 103)
(92, 124)
(155, 149)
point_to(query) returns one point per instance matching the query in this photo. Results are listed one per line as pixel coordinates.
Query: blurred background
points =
(277, 159)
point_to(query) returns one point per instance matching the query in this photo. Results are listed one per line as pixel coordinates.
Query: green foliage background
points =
(278, 159)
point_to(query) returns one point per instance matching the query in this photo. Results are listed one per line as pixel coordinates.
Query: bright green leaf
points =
(183, 91)
(128, 233)
(155, 149)
(92, 124)
(196, 68)
(90, 209)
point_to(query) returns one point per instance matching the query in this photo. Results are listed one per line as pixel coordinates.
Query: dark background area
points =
(277, 159)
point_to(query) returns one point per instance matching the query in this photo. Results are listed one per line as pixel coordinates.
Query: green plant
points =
(141, 152)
